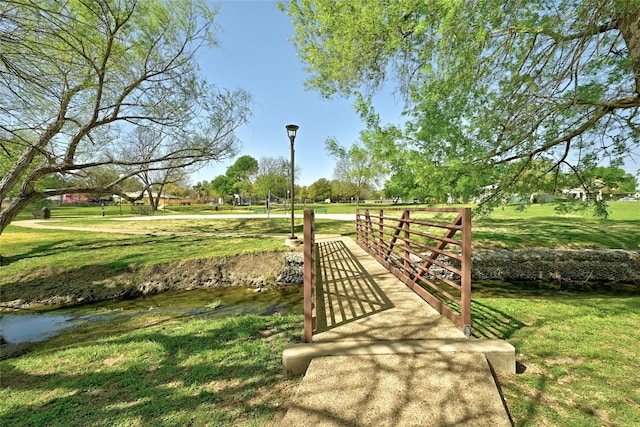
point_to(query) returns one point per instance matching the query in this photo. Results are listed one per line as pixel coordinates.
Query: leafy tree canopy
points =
(320, 190)
(492, 90)
(243, 168)
(240, 174)
(222, 185)
(611, 179)
(273, 177)
(355, 166)
(76, 76)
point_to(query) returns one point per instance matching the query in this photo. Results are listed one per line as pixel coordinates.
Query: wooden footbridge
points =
(388, 327)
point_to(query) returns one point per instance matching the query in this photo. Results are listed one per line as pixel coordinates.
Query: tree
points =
(144, 144)
(75, 76)
(490, 88)
(202, 191)
(320, 190)
(182, 189)
(273, 175)
(613, 180)
(222, 185)
(155, 183)
(630, 184)
(355, 166)
(240, 175)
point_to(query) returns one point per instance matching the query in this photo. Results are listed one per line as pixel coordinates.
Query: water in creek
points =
(30, 326)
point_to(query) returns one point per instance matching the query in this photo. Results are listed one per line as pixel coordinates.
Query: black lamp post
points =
(291, 132)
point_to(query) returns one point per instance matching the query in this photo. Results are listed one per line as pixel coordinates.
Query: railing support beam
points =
(427, 279)
(310, 254)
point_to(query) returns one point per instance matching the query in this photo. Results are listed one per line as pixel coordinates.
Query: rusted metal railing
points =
(429, 249)
(310, 264)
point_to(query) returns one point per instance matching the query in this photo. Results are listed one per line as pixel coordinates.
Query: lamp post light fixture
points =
(291, 133)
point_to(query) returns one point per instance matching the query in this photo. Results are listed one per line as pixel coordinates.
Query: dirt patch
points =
(48, 287)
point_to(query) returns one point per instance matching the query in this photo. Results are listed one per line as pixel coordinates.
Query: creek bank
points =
(601, 266)
(64, 288)
(61, 287)
(568, 266)
(562, 266)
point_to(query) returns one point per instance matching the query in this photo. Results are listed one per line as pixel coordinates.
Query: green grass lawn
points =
(578, 356)
(40, 263)
(538, 226)
(578, 353)
(154, 370)
(535, 226)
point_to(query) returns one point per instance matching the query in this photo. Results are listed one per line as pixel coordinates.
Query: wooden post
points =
(369, 229)
(381, 233)
(407, 236)
(465, 296)
(358, 225)
(309, 273)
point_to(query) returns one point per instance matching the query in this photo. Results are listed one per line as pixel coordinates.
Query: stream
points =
(34, 326)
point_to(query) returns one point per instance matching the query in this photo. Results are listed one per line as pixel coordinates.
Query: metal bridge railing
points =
(428, 249)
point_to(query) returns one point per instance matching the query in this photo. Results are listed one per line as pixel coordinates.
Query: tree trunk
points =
(153, 201)
(16, 205)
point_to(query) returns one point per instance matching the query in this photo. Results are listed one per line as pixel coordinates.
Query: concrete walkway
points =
(383, 357)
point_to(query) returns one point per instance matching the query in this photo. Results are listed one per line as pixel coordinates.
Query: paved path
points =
(339, 217)
(52, 224)
(383, 357)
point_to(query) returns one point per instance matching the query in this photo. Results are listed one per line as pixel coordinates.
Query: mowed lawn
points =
(578, 353)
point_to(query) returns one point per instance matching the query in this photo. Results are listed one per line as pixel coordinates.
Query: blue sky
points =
(255, 53)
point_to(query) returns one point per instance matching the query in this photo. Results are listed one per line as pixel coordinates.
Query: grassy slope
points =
(577, 356)
(153, 370)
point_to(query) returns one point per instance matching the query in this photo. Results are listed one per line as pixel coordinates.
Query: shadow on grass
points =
(37, 251)
(208, 376)
(263, 226)
(557, 231)
(241, 225)
(489, 321)
(60, 246)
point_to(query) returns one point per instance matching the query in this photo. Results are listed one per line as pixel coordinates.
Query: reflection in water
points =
(17, 328)
(29, 326)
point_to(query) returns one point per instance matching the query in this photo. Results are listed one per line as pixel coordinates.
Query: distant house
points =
(580, 195)
(171, 200)
(55, 199)
(75, 198)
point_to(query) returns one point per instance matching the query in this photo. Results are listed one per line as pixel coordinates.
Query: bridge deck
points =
(382, 356)
(360, 300)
